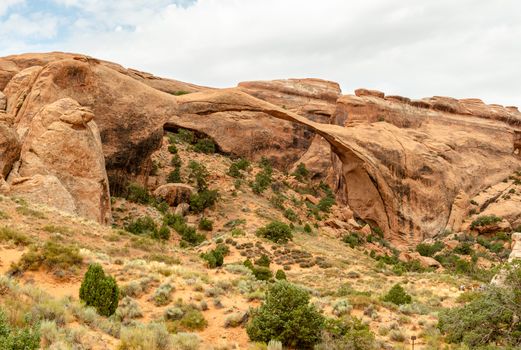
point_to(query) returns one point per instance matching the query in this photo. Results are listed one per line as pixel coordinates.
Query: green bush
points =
(353, 239)
(264, 260)
(485, 220)
(397, 295)
(142, 225)
(214, 258)
(290, 215)
(12, 235)
(198, 173)
(53, 256)
(203, 199)
(174, 176)
(263, 177)
(490, 318)
(18, 339)
(237, 166)
(205, 145)
(176, 161)
(301, 173)
(325, 204)
(172, 149)
(262, 273)
(205, 224)
(347, 333)
(307, 228)
(276, 231)
(426, 249)
(163, 233)
(463, 248)
(287, 316)
(99, 291)
(138, 194)
(280, 275)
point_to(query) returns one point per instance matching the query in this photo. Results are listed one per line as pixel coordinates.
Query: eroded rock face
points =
(9, 148)
(62, 162)
(404, 165)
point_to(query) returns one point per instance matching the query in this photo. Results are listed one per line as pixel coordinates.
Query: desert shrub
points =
(237, 166)
(153, 336)
(176, 161)
(264, 260)
(193, 320)
(205, 224)
(276, 231)
(188, 233)
(397, 295)
(234, 320)
(353, 239)
(18, 339)
(485, 220)
(138, 194)
(280, 275)
(186, 341)
(426, 249)
(99, 291)
(12, 235)
(128, 309)
(203, 199)
(489, 318)
(198, 174)
(174, 176)
(463, 248)
(262, 273)
(142, 225)
(301, 173)
(326, 203)
(205, 145)
(348, 333)
(163, 294)
(53, 256)
(263, 177)
(163, 233)
(172, 149)
(290, 215)
(286, 315)
(307, 228)
(185, 317)
(182, 136)
(248, 264)
(214, 258)
(396, 335)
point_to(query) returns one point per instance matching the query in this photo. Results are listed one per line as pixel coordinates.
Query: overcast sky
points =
(415, 48)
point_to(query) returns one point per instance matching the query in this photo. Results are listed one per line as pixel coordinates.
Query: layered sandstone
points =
(407, 166)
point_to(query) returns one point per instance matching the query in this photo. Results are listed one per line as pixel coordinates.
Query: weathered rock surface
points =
(175, 193)
(403, 165)
(9, 148)
(62, 162)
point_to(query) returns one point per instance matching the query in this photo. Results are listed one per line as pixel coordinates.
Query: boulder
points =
(367, 92)
(182, 209)
(425, 261)
(174, 193)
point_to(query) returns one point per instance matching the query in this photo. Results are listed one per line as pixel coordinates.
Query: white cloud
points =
(6, 4)
(414, 48)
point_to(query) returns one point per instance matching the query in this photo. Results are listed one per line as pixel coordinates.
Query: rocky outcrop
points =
(62, 162)
(9, 148)
(404, 165)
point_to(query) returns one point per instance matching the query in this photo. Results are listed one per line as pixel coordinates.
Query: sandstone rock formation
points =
(174, 193)
(407, 166)
(62, 162)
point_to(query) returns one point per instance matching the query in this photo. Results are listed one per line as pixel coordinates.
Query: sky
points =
(414, 48)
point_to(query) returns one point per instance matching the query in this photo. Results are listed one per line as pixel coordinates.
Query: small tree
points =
(276, 231)
(99, 290)
(397, 295)
(287, 316)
